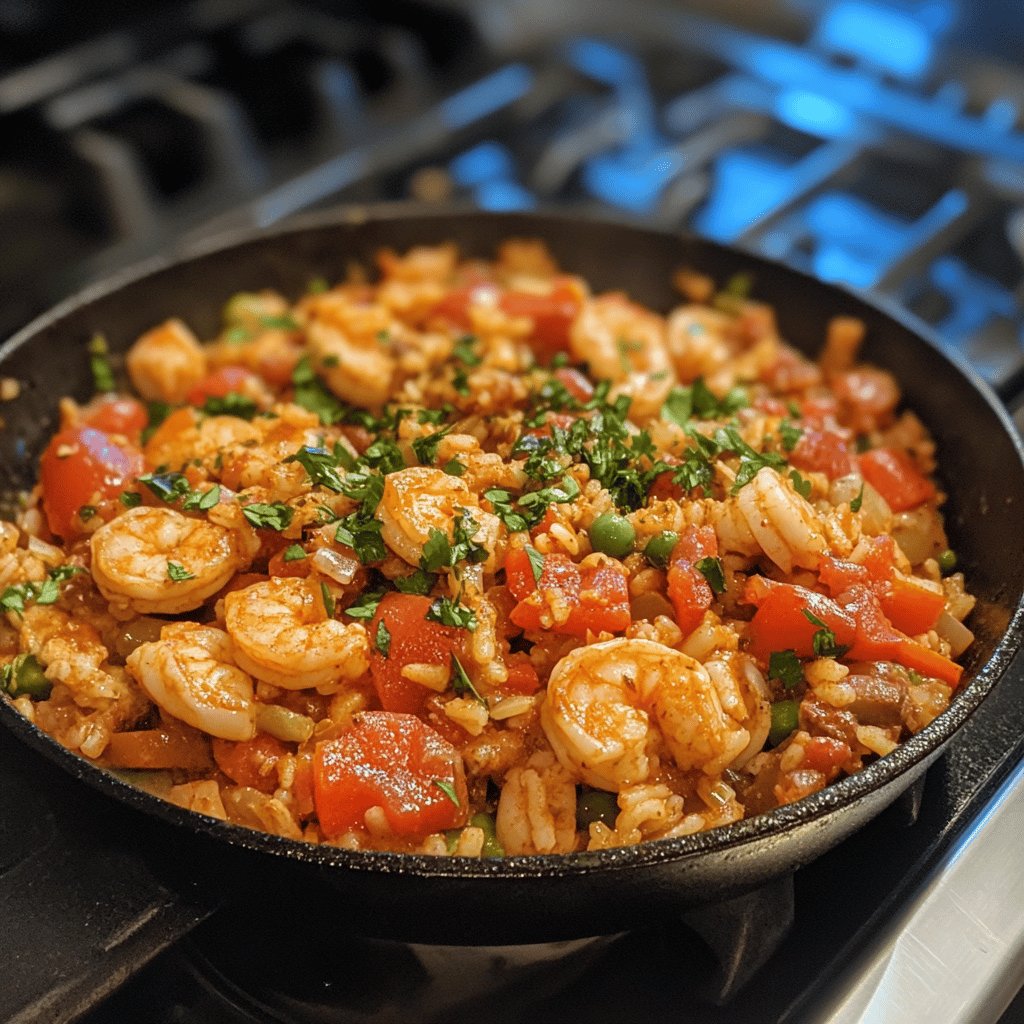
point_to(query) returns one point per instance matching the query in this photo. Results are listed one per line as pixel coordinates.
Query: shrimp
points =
(421, 499)
(782, 522)
(283, 635)
(537, 807)
(624, 343)
(744, 697)
(348, 342)
(159, 561)
(605, 702)
(190, 673)
(698, 340)
(166, 363)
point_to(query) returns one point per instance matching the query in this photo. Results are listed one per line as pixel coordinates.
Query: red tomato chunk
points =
(395, 762)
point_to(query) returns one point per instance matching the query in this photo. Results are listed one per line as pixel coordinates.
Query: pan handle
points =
(83, 909)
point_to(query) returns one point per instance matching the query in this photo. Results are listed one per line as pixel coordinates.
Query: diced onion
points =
(335, 565)
(956, 633)
(47, 552)
(283, 724)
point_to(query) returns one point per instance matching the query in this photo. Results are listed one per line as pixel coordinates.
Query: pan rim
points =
(914, 753)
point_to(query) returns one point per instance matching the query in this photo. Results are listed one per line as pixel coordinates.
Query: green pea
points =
(596, 805)
(660, 547)
(785, 719)
(947, 561)
(613, 534)
(24, 677)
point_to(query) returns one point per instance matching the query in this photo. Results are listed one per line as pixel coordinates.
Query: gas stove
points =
(878, 144)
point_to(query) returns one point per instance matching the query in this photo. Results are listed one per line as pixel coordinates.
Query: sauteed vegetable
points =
(469, 559)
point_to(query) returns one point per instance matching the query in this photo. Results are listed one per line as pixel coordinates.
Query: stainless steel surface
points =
(955, 952)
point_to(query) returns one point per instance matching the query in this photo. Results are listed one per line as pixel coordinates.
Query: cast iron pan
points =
(533, 899)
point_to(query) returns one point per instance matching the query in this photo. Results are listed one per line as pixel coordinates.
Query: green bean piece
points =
(612, 534)
(660, 547)
(23, 677)
(947, 561)
(785, 719)
(283, 723)
(596, 805)
(492, 847)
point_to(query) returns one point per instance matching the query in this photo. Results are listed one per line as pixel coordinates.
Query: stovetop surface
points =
(862, 140)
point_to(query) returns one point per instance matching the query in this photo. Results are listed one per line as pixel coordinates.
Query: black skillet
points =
(532, 899)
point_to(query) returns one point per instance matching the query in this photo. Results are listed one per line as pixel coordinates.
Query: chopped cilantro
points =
(536, 562)
(268, 517)
(785, 666)
(131, 499)
(698, 399)
(178, 573)
(328, 599)
(433, 416)
(454, 468)
(464, 350)
(279, 323)
(166, 486)
(856, 503)
(441, 553)
(157, 413)
(312, 395)
(501, 502)
(361, 533)
(86, 512)
(293, 553)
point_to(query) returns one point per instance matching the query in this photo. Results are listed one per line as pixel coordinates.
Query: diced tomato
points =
(780, 623)
(522, 676)
(414, 639)
(251, 762)
(824, 754)
(910, 607)
(395, 762)
(576, 383)
(598, 596)
(688, 590)
(880, 558)
(815, 409)
(227, 380)
(822, 451)
(837, 575)
(454, 306)
(552, 315)
(562, 420)
(663, 487)
(83, 466)
(856, 618)
(115, 415)
(791, 371)
(893, 474)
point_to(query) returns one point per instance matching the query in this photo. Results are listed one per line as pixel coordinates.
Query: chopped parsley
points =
(785, 666)
(800, 485)
(711, 569)
(824, 640)
(328, 599)
(789, 435)
(312, 395)
(277, 516)
(366, 606)
(131, 499)
(448, 789)
(157, 412)
(501, 502)
(462, 684)
(16, 598)
(441, 553)
(178, 573)
(99, 364)
(202, 501)
(293, 553)
(382, 639)
(279, 323)
(454, 468)
(856, 503)
(465, 350)
(426, 447)
(166, 486)
(451, 613)
(361, 532)
(418, 582)
(536, 562)
(699, 400)
(320, 465)
(231, 404)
